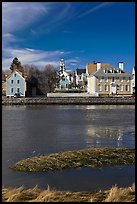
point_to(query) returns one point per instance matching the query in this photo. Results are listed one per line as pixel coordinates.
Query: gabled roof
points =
(18, 73)
(80, 71)
(111, 71)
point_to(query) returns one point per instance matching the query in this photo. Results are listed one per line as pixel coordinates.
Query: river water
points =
(34, 130)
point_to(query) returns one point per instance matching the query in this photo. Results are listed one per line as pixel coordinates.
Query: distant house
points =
(5, 74)
(15, 84)
(81, 78)
(3, 88)
(133, 80)
(108, 79)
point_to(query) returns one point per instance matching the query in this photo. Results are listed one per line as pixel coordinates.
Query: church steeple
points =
(62, 65)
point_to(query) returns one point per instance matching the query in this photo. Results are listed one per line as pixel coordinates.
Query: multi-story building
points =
(15, 84)
(110, 80)
(80, 78)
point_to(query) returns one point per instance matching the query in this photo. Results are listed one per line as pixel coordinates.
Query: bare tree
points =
(51, 77)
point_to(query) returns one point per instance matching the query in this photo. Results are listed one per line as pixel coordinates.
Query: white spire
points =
(133, 71)
(62, 65)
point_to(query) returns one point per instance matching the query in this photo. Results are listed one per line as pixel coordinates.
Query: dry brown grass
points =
(121, 194)
(92, 157)
(21, 194)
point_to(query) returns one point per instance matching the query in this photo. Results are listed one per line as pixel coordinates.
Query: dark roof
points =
(116, 73)
(80, 71)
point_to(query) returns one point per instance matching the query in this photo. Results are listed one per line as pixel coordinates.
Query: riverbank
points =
(91, 157)
(35, 194)
(69, 101)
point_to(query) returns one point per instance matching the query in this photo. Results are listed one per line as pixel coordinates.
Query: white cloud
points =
(31, 56)
(17, 15)
(98, 7)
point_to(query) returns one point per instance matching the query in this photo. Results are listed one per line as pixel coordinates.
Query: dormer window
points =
(15, 75)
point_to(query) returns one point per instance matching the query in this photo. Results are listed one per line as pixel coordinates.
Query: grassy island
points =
(91, 157)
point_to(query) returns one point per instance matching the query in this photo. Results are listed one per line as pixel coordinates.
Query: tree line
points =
(42, 80)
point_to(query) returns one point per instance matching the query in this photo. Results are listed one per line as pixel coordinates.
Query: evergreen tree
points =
(15, 62)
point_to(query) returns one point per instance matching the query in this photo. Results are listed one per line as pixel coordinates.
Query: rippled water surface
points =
(34, 130)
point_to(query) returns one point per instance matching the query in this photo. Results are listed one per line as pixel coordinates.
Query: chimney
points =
(98, 65)
(121, 65)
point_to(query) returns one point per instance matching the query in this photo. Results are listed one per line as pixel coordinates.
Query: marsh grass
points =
(35, 194)
(92, 157)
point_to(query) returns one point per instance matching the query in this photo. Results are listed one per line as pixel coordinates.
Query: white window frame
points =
(105, 71)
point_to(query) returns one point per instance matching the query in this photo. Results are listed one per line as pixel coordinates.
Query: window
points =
(105, 79)
(15, 75)
(63, 79)
(106, 87)
(99, 87)
(11, 90)
(127, 87)
(12, 81)
(18, 90)
(121, 79)
(18, 81)
(127, 79)
(113, 79)
(99, 79)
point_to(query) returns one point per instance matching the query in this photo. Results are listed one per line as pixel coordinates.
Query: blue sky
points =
(40, 33)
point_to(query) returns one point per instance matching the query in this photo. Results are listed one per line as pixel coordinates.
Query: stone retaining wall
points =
(69, 101)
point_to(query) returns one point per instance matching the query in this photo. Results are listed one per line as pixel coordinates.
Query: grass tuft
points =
(35, 194)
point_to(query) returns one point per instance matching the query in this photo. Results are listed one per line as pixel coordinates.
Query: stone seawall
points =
(70, 100)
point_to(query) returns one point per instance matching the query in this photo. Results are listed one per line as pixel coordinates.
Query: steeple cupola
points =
(62, 65)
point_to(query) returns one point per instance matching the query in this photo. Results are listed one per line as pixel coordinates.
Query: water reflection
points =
(33, 130)
(113, 137)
